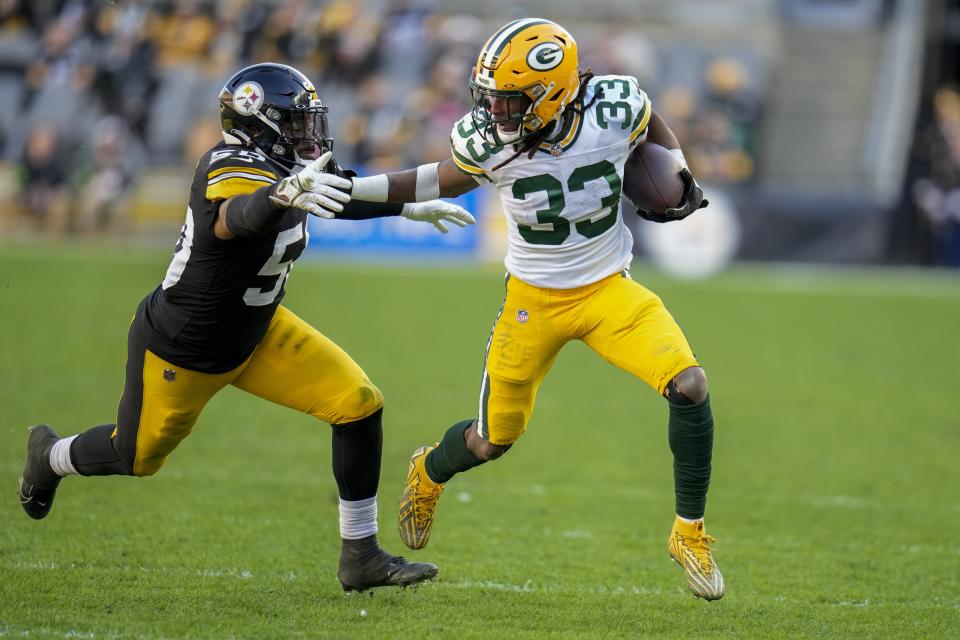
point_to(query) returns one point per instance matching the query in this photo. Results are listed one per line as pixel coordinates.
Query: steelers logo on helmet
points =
(545, 56)
(248, 98)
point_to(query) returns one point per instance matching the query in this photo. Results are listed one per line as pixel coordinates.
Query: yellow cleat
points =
(689, 547)
(419, 501)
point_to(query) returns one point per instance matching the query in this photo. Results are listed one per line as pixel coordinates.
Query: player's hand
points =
(692, 201)
(436, 212)
(313, 190)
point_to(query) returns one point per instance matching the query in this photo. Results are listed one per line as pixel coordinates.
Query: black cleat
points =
(364, 565)
(38, 484)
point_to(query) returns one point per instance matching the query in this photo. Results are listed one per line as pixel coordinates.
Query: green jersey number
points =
(613, 110)
(618, 83)
(609, 108)
(486, 149)
(578, 180)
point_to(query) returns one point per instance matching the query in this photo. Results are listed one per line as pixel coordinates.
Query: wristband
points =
(371, 188)
(428, 182)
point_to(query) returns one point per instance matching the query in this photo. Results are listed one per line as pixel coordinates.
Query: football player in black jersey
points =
(217, 319)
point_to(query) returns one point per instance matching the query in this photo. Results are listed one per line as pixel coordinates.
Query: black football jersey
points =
(219, 296)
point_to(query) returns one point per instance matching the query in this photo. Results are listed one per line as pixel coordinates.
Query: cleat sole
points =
(427, 576)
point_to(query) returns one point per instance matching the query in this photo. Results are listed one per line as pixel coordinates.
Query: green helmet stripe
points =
(504, 37)
(493, 39)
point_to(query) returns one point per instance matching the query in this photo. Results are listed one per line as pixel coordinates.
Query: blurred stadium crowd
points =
(109, 103)
(104, 92)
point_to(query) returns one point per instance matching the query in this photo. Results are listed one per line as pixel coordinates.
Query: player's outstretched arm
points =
(420, 189)
(312, 189)
(427, 182)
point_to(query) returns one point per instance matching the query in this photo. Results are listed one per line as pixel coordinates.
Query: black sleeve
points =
(250, 215)
(363, 210)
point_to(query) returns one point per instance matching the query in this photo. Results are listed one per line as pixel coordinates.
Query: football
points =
(651, 178)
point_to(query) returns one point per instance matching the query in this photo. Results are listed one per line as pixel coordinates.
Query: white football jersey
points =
(563, 205)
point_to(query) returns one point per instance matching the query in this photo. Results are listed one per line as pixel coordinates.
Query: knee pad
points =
(365, 401)
(688, 387)
(505, 426)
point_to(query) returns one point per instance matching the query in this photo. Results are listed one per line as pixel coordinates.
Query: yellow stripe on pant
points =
(618, 318)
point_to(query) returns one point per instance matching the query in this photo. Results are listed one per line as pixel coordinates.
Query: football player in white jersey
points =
(553, 141)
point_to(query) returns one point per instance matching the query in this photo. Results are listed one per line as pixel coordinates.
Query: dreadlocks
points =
(531, 143)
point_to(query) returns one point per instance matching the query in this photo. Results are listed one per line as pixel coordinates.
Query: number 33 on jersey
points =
(563, 205)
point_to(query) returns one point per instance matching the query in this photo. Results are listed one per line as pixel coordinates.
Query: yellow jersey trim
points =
(254, 170)
(644, 121)
(233, 187)
(575, 125)
(466, 168)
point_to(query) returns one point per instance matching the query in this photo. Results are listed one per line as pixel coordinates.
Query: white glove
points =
(436, 212)
(313, 190)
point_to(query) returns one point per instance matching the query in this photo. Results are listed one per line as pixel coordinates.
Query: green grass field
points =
(834, 493)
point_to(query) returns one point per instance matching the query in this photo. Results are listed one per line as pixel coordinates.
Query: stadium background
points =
(830, 126)
(828, 131)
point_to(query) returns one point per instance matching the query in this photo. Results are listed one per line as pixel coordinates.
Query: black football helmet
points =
(275, 108)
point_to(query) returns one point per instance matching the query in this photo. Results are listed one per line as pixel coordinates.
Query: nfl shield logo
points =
(522, 316)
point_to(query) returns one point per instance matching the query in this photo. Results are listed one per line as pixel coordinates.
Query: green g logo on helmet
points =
(545, 56)
(532, 58)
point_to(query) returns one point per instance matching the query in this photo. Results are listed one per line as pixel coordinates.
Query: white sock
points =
(60, 457)
(688, 520)
(358, 518)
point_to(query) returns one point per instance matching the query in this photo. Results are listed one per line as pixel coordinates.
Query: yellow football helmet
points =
(526, 75)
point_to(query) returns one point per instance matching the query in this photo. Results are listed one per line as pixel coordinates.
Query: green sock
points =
(691, 441)
(452, 456)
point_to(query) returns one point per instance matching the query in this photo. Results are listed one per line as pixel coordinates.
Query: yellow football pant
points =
(621, 320)
(294, 365)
